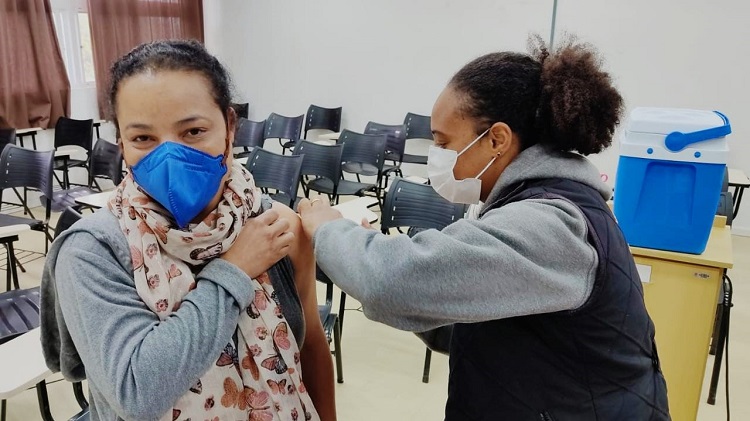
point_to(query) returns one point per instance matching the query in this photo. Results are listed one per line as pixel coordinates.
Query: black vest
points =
(597, 362)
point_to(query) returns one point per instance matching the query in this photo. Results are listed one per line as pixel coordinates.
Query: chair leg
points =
(342, 308)
(7, 272)
(80, 396)
(2, 410)
(337, 345)
(41, 393)
(12, 264)
(427, 360)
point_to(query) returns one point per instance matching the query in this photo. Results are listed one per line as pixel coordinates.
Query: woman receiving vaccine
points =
(191, 296)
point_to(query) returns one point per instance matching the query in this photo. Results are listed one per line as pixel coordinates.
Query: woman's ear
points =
(501, 138)
(231, 124)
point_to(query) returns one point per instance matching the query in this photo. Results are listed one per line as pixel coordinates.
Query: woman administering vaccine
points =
(547, 307)
(190, 296)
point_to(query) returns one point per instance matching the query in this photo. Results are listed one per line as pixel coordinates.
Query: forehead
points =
(447, 113)
(163, 92)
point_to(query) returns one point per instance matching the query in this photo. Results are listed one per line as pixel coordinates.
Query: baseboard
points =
(741, 231)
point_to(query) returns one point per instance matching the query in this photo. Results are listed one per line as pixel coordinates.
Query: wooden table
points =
(21, 133)
(740, 182)
(681, 291)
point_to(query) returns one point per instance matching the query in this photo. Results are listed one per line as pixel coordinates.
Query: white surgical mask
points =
(440, 164)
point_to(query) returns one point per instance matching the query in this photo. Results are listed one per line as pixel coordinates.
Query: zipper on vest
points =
(545, 416)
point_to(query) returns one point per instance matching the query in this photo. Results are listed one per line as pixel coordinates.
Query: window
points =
(74, 37)
(87, 53)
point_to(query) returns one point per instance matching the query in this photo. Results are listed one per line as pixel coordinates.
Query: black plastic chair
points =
(363, 155)
(70, 132)
(20, 167)
(419, 207)
(19, 312)
(331, 323)
(106, 162)
(286, 129)
(278, 172)
(394, 147)
(249, 135)
(322, 162)
(7, 137)
(242, 109)
(320, 118)
(417, 127)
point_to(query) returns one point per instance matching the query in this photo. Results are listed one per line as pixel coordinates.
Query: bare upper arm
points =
(303, 260)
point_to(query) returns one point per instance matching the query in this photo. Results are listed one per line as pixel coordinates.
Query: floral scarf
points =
(256, 377)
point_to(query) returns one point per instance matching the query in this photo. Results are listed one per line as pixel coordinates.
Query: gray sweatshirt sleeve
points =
(141, 365)
(528, 257)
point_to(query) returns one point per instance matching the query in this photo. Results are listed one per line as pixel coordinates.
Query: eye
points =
(195, 132)
(140, 139)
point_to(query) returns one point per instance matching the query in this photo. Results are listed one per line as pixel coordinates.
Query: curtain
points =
(117, 26)
(34, 86)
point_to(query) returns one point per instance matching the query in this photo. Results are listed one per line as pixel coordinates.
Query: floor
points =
(383, 366)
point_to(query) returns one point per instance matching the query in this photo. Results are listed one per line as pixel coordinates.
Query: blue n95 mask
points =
(182, 179)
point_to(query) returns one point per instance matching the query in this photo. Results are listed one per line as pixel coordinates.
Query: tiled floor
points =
(383, 366)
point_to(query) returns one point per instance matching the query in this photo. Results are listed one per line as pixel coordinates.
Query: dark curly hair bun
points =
(579, 108)
(562, 98)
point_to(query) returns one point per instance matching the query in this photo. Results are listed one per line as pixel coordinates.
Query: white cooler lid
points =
(676, 134)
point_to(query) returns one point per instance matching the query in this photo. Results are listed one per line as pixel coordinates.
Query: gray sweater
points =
(528, 257)
(137, 366)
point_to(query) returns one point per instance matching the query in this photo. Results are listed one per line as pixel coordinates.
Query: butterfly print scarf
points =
(258, 376)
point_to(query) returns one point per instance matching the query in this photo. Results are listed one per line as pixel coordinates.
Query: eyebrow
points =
(143, 126)
(190, 119)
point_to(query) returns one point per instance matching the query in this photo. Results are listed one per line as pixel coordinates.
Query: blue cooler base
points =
(667, 205)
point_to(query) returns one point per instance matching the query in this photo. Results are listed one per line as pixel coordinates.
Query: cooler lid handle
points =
(677, 141)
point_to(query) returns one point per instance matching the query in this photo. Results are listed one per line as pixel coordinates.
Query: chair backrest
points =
(323, 118)
(106, 161)
(74, 132)
(69, 217)
(21, 167)
(282, 127)
(274, 171)
(410, 204)
(7, 137)
(364, 148)
(320, 160)
(242, 109)
(249, 134)
(396, 136)
(19, 312)
(418, 126)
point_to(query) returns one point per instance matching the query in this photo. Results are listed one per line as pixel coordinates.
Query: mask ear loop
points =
(486, 167)
(474, 141)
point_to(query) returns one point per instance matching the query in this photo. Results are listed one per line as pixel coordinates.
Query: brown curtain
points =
(117, 26)
(34, 86)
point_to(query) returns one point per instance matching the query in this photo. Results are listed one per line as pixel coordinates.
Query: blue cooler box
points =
(669, 177)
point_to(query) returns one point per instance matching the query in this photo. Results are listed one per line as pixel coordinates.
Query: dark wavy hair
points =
(171, 55)
(562, 99)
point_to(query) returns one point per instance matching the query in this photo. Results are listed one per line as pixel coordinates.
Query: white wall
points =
(377, 59)
(689, 54)
(380, 59)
